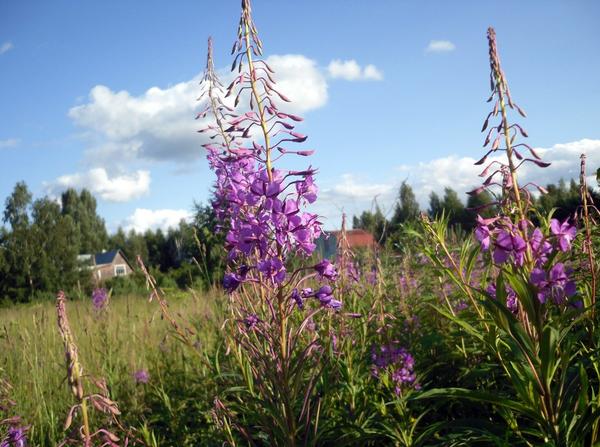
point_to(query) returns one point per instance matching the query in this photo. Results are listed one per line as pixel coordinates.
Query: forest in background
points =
(41, 238)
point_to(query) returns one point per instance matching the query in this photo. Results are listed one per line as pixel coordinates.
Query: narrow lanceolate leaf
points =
(479, 396)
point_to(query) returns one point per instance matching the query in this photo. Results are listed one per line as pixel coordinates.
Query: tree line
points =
(40, 241)
(564, 198)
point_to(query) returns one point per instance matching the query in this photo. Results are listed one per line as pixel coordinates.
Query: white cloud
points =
(440, 46)
(5, 47)
(372, 72)
(300, 80)
(10, 142)
(350, 70)
(159, 124)
(119, 188)
(355, 194)
(143, 219)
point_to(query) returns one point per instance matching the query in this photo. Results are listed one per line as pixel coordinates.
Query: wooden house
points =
(107, 264)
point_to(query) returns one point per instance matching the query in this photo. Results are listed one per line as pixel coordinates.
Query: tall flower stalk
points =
(260, 207)
(98, 400)
(531, 302)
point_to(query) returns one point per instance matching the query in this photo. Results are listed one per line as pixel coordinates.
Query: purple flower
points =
(372, 276)
(297, 297)
(564, 232)
(141, 376)
(307, 189)
(540, 247)
(325, 296)
(251, 321)
(554, 284)
(326, 269)
(509, 243)
(460, 306)
(99, 298)
(16, 437)
(231, 281)
(352, 272)
(483, 233)
(511, 297)
(398, 362)
(273, 269)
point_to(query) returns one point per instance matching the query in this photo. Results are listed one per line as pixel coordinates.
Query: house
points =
(107, 264)
(357, 239)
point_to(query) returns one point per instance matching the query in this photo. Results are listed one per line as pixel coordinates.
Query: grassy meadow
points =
(128, 335)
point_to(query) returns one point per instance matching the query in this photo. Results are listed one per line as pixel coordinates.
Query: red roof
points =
(358, 238)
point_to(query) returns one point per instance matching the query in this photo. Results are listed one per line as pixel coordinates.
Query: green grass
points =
(129, 335)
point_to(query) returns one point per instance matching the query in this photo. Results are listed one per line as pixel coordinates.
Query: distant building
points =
(357, 239)
(106, 265)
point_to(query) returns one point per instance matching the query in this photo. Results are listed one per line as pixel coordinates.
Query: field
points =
(459, 326)
(127, 336)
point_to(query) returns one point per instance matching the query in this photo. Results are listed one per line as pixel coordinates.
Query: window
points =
(120, 270)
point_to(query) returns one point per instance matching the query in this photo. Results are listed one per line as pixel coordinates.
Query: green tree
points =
(19, 245)
(407, 208)
(91, 228)
(435, 205)
(374, 222)
(454, 208)
(56, 240)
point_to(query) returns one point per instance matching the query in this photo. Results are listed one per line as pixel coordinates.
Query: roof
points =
(358, 238)
(327, 242)
(105, 258)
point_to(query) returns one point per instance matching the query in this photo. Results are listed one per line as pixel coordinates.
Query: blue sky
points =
(102, 94)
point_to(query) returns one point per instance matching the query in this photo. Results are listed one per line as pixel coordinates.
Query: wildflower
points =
(398, 362)
(372, 276)
(231, 281)
(325, 296)
(297, 297)
(554, 284)
(511, 297)
(99, 298)
(460, 306)
(540, 247)
(273, 269)
(564, 232)
(483, 233)
(16, 437)
(509, 242)
(326, 269)
(141, 376)
(251, 321)
(352, 272)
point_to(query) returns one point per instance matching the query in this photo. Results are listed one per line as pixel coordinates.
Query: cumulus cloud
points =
(350, 70)
(144, 219)
(118, 188)
(10, 142)
(440, 46)
(355, 194)
(300, 80)
(159, 124)
(6, 47)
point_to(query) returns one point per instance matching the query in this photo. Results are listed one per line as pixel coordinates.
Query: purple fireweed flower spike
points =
(260, 206)
(501, 138)
(398, 362)
(99, 298)
(141, 376)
